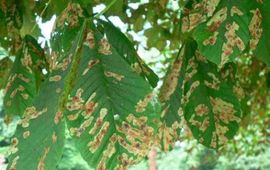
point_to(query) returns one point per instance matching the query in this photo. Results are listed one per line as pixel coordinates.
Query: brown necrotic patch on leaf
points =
(94, 145)
(104, 47)
(171, 81)
(54, 138)
(218, 18)
(136, 67)
(14, 163)
(201, 110)
(211, 40)
(55, 78)
(70, 15)
(42, 159)
(236, 11)
(27, 61)
(255, 28)
(23, 78)
(202, 125)
(31, 113)
(90, 39)
(215, 84)
(168, 135)
(14, 143)
(58, 117)
(233, 40)
(136, 140)
(26, 134)
(109, 151)
(118, 77)
(142, 104)
(99, 121)
(91, 63)
(192, 88)
(224, 111)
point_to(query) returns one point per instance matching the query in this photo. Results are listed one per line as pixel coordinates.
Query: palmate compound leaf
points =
(24, 78)
(197, 94)
(39, 137)
(110, 112)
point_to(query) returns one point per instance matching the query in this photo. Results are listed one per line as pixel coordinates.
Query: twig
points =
(41, 14)
(106, 9)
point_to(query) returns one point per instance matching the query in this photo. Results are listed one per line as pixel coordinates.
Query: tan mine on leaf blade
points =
(26, 134)
(142, 104)
(58, 116)
(201, 110)
(14, 162)
(255, 28)
(70, 15)
(27, 61)
(31, 113)
(54, 138)
(137, 68)
(104, 47)
(41, 161)
(14, 143)
(204, 9)
(118, 77)
(91, 63)
(236, 11)
(223, 112)
(171, 81)
(233, 40)
(95, 144)
(215, 82)
(218, 18)
(55, 78)
(211, 40)
(90, 39)
(167, 135)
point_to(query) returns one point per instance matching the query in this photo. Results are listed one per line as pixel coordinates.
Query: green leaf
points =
(195, 93)
(39, 137)
(5, 66)
(10, 24)
(260, 31)
(126, 50)
(110, 111)
(211, 109)
(225, 35)
(170, 95)
(25, 77)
